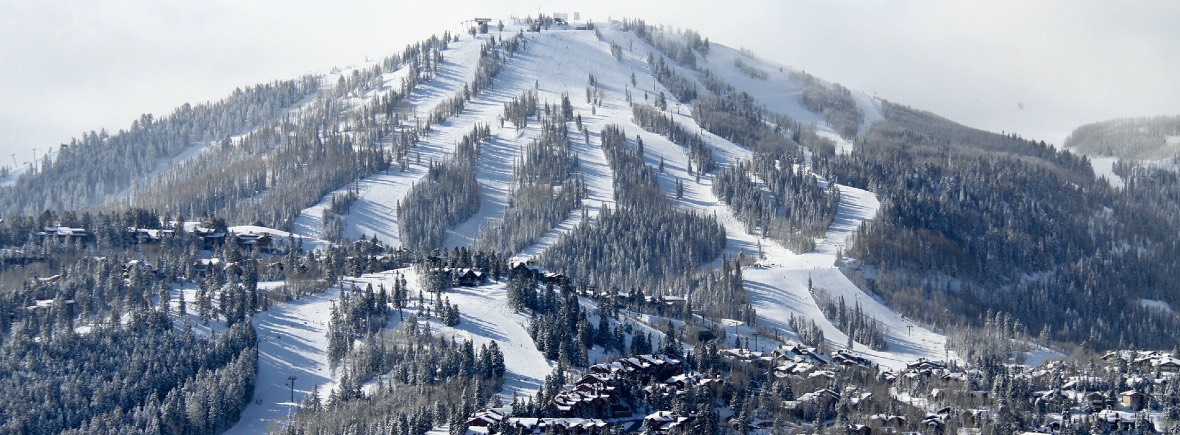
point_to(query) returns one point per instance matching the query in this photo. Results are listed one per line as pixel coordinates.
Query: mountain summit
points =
(544, 225)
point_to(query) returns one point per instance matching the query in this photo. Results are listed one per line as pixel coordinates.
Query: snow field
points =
(374, 213)
(292, 341)
(557, 62)
(778, 286)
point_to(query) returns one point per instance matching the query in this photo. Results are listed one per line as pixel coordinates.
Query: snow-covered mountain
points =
(627, 161)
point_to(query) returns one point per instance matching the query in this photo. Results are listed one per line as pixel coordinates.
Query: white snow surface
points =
(778, 285)
(13, 174)
(1104, 167)
(1156, 304)
(553, 63)
(292, 341)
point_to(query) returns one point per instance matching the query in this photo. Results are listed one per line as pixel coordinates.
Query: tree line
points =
(644, 240)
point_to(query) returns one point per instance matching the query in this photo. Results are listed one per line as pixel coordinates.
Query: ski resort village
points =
(555, 225)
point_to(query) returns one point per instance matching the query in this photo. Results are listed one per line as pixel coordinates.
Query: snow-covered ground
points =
(778, 284)
(13, 174)
(486, 316)
(1104, 167)
(554, 63)
(374, 213)
(292, 341)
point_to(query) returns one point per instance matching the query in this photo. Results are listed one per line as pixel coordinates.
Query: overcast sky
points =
(1039, 68)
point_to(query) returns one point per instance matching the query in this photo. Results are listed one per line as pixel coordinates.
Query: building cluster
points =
(532, 269)
(597, 398)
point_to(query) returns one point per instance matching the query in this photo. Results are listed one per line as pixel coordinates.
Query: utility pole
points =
(291, 379)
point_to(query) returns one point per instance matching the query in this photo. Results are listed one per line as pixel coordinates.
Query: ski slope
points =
(374, 212)
(555, 63)
(292, 341)
(778, 284)
(486, 316)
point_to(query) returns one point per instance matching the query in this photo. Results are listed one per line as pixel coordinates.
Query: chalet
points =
(846, 358)
(233, 269)
(748, 357)
(1168, 365)
(51, 304)
(926, 368)
(595, 392)
(470, 277)
(252, 240)
(893, 423)
(654, 366)
(925, 364)
(575, 403)
(485, 418)
(555, 278)
(607, 369)
(858, 399)
(528, 268)
(140, 266)
(1085, 383)
(799, 353)
(593, 378)
(756, 425)
(64, 234)
(1094, 399)
(662, 422)
(934, 423)
(1132, 399)
(695, 378)
(1111, 421)
(209, 237)
(858, 429)
(954, 376)
(204, 265)
(822, 397)
(827, 374)
(587, 426)
(1051, 398)
(1144, 362)
(146, 236)
(974, 417)
(675, 301)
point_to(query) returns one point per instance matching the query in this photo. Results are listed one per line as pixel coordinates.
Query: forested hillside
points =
(1152, 138)
(974, 221)
(92, 169)
(708, 242)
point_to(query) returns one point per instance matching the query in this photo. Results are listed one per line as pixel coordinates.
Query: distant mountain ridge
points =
(1146, 138)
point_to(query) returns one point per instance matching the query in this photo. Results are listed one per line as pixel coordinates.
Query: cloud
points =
(80, 66)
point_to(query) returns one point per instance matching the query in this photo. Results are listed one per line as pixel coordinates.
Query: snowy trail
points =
(778, 288)
(292, 341)
(374, 213)
(778, 284)
(485, 316)
(556, 63)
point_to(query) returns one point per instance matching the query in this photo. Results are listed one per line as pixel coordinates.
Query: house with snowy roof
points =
(662, 422)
